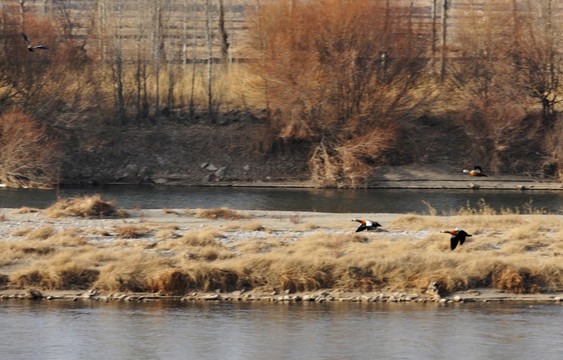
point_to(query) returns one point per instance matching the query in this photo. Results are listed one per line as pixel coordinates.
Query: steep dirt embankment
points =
(239, 150)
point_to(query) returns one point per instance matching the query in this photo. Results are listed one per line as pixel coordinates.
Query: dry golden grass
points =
(252, 226)
(220, 213)
(86, 206)
(122, 213)
(516, 253)
(131, 231)
(204, 237)
(166, 234)
(25, 210)
(21, 232)
(40, 233)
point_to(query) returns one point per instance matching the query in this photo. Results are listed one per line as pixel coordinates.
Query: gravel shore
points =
(287, 226)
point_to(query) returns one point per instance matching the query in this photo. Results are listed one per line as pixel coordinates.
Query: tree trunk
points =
(157, 48)
(223, 37)
(209, 38)
(119, 65)
(443, 43)
(434, 34)
(194, 57)
(22, 18)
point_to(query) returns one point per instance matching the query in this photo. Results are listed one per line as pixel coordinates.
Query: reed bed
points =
(512, 252)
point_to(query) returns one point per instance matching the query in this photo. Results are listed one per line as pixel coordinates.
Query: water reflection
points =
(175, 330)
(322, 200)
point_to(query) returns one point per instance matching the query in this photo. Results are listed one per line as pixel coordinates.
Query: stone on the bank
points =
(90, 294)
(33, 294)
(433, 290)
(211, 167)
(220, 173)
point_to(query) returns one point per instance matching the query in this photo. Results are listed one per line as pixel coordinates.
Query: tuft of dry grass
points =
(220, 213)
(122, 213)
(252, 226)
(131, 231)
(71, 275)
(41, 233)
(204, 237)
(166, 234)
(25, 210)
(86, 206)
(21, 232)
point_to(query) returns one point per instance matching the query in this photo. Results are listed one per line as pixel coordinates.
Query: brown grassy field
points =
(177, 252)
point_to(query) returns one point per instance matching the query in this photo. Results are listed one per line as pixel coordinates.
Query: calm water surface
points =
(176, 330)
(322, 200)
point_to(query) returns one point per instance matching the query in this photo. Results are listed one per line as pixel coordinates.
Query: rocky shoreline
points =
(468, 296)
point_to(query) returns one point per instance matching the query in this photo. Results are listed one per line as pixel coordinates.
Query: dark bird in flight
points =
(477, 171)
(366, 225)
(32, 47)
(458, 236)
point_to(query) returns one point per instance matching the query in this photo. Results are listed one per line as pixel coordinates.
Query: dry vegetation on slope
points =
(327, 90)
(176, 252)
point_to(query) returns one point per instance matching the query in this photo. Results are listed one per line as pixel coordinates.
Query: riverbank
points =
(228, 255)
(385, 177)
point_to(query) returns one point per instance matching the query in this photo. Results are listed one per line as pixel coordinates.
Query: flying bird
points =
(477, 171)
(32, 47)
(366, 224)
(458, 236)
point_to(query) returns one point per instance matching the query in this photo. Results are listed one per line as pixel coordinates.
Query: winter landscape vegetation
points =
(325, 93)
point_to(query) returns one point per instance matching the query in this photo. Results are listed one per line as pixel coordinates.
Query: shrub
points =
(28, 157)
(220, 213)
(86, 206)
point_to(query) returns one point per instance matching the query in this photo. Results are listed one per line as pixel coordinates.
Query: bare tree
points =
(209, 40)
(443, 40)
(540, 59)
(157, 45)
(340, 79)
(141, 101)
(434, 34)
(223, 36)
(119, 66)
(27, 157)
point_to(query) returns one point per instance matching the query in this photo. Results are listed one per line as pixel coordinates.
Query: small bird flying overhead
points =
(477, 171)
(458, 236)
(31, 47)
(366, 224)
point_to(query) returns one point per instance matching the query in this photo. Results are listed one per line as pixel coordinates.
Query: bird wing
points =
(41, 47)
(453, 242)
(462, 237)
(478, 169)
(361, 228)
(25, 38)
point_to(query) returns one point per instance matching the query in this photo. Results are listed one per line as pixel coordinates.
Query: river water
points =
(321, 200)
(179, 330)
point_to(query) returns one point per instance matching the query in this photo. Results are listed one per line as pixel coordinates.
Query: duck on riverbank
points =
(477, 171)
